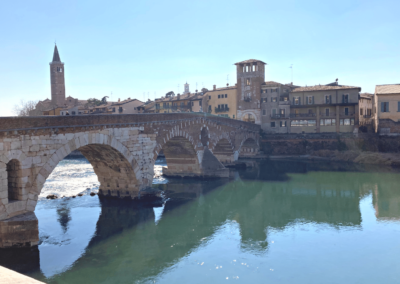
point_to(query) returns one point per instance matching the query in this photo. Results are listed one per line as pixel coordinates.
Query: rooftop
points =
(387, 89)
(323, 88)
(250, 61)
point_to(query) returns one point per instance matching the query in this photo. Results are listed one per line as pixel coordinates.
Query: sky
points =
(144, 49)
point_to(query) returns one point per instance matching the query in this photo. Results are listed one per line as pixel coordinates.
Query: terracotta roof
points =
(181, 97)
(366, 95)
(271, 83)
(222, 89)
(250, 61)
(126, 101)
(323, 88)
(387, 89)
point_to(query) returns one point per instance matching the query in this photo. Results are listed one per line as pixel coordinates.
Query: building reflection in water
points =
(131, 243)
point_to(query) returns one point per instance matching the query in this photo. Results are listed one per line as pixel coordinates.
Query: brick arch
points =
(246, 138)
(175, 132)
(223, 149)
(106, 154)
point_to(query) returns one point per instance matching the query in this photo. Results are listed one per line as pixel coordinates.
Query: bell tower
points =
(57, 79)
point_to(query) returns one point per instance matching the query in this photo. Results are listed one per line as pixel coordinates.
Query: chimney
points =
(214, 87)
(227, 84)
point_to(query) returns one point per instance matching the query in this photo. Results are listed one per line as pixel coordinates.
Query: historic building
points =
(324, 108)
(386, 109)
(275, 107)
(221, 101)
(250, 76)
(58, 93)
(365, 109)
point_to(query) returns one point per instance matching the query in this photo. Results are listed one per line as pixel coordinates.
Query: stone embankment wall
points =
(364, 148)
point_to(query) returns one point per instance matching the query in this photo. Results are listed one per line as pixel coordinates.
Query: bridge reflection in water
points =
(130, 246)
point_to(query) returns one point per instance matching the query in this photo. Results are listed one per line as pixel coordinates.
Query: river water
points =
(278, 222)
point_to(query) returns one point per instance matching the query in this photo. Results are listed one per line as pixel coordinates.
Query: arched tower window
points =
(14, 180)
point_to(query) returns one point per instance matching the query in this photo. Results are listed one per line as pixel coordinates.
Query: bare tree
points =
(27, 108)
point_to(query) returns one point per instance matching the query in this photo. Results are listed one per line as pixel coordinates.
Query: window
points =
(182, 103)
(282, 112)
(233, 116)
(303, 123)
(59, 69)
(272, 123)
(120, 109)
(345, 98)
(73, 113)
(264, 100)
(347, 121)
(328, 99)
(209, 108)
(192, 103)
(264, 112)
(361, 111)
(369, 111)
(199, 103)
(247, 82)
(296, 100)
(282, 123)
(274, 111)
(218, 96)
(310, 111)
(398, 106)
(327, 112)
(384, 106)
(226, 95)
(327, 122)
(310, 100)
(346, 111)
(274, 99)
(209, 97)
(266, 91)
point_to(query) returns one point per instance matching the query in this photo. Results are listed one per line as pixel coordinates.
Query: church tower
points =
(57, 79)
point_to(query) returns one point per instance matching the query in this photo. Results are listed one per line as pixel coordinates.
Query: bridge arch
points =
(113, 163)
(223, 149)
(180, 153)
(249, 146)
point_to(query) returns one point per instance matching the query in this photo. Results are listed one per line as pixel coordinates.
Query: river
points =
(278, 222)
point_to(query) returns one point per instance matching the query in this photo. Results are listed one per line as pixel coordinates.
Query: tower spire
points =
(56, 56)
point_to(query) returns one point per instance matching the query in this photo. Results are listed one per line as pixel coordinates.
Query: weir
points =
(122, 150)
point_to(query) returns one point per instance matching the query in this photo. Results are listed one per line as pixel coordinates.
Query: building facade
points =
(221, 101)
(386, 109)
(324, 108)
(365, 109)
(275, 107)
(250, 76)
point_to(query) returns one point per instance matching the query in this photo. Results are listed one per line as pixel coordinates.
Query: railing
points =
(303, 114)
(222, 109)
(277, 115)
(284, 102)
(346, 114)
(330, 114)
(367, 116)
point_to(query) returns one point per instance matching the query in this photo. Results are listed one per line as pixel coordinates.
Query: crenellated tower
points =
(57, 79)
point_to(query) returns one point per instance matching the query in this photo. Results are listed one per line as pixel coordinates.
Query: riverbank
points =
(11, 277)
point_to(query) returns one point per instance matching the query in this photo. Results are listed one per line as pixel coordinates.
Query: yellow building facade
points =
(386, 109)
(221, 102)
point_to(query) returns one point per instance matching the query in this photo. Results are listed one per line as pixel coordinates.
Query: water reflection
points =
(139, 243)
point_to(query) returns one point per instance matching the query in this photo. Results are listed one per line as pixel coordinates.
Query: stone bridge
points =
(121, 148)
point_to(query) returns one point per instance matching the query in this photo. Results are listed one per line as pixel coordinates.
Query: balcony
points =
(226, 109)
(346, 114)
(303, 115)
(277, 116)
(367, 116)
(284, 102)
(330, 114)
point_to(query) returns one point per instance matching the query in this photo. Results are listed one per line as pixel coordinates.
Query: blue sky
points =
(135, 47)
